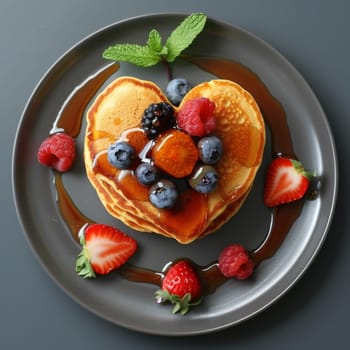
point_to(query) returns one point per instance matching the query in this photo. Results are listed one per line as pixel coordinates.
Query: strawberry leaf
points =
(181, 305)
(299, 167)
(82, 265)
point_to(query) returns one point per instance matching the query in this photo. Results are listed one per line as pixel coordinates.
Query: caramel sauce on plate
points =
(69, 117)
(282, 218)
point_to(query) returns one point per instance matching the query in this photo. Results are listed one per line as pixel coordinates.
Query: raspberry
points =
(196, 116)
(234, 261)
(57, 151)
(158, 117)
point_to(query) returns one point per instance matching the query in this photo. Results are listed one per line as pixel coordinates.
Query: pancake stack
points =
(116, 113)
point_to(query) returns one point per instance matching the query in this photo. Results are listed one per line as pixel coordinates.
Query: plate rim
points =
(98, 32)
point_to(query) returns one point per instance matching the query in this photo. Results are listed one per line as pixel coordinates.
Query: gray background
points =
(314, 37)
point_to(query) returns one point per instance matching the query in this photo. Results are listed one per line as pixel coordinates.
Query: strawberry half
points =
(105, 248)
(286, 181)
(181, 286)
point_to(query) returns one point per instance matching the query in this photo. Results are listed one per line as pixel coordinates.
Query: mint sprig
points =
(154, 51)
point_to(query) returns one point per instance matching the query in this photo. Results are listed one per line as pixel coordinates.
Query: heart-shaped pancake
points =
(239, 125)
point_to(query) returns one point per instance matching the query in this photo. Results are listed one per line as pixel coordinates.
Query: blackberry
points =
(158, 117)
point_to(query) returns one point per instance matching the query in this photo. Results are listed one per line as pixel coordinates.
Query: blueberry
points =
(204, 179)
(147, 174)
(163, 194)
(210, 149)
(121, 155)
(177, 89)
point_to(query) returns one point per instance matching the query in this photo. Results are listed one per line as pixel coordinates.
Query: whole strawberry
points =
(57, 151)
(105, 249)
(181, 286)
(286, 181)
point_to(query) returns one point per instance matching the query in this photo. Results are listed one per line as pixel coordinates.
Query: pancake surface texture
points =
(116, 114)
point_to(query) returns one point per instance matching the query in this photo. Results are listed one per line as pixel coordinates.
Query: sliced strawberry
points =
(181, 286)
(105, 248)
(286, 181)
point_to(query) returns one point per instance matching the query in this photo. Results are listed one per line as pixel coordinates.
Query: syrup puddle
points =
(69, 119)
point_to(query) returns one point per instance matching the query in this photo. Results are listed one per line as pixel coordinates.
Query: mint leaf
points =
(139, 55)
(154, 51)
(154, 41)
(184, 34)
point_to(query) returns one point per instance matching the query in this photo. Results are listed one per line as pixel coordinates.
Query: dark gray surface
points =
(35, 313)
(130, 304)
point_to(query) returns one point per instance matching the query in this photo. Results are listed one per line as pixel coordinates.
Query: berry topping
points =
(204, 179)
(136, 137)
(181, 286)
(105, 248)
(57, 152)
(163, 194)
(121, 154)
(177, 89)
(234, 261)
(157, 118)
(175, 153)
(286, 181)
(147, 174)
(210, 149)
(196, 116)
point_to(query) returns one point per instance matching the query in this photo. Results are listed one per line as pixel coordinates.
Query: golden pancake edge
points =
(239, 125)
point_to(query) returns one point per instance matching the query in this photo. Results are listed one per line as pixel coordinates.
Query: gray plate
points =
(132, 305)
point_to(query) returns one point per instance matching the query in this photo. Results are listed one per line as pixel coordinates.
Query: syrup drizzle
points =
(70, 212)
(70, 117)
(282, 217)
